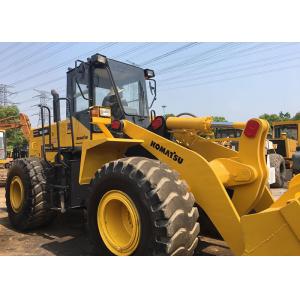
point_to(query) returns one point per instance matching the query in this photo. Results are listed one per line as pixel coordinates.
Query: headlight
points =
(105, 112)
(98, 111)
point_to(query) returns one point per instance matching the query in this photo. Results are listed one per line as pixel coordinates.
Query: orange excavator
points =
(12, 122)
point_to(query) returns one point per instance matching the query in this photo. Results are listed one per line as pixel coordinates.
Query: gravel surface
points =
(68, 236)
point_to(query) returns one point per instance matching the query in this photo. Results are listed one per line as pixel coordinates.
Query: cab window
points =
(290, 130)
(81, 103)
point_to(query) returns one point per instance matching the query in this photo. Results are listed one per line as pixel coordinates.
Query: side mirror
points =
(56, 106)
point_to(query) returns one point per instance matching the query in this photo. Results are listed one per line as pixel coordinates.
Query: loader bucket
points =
(276, 230)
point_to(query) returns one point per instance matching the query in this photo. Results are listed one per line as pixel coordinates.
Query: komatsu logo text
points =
(167, 152)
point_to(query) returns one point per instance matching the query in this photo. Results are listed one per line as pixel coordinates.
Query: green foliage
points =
(15, 137)
(219, 119)
(166, 116)
(276, 117)
(270, 118)
(297, 116)
(284, 116)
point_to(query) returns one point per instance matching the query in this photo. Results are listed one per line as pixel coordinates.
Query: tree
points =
(15, 137)
(284, 116)
(275, 118)
(297, 116)
(219, 119)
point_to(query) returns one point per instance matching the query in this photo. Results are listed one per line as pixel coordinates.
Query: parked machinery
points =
(13, 122)
(142, 178)
(286, 137)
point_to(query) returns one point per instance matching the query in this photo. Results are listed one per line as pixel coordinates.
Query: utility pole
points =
(5, 93)
(43, 96)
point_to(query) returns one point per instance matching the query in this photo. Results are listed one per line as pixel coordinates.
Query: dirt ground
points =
(68, 236)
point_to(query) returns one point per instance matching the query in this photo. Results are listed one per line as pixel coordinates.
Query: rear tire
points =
(167, 216)
(277, 161)
(33, 211)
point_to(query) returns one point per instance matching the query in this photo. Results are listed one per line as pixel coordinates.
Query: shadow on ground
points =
(67, 235)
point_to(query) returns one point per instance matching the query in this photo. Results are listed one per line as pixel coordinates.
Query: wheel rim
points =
(16, 194)
(118, 223)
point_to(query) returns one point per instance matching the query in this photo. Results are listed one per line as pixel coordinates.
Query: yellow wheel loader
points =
(142, 178)
(286, 137)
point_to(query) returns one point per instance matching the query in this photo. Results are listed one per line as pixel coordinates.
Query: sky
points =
(235, 80)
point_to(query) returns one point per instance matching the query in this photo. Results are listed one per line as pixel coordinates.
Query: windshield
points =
(130, 82)
(290, 130)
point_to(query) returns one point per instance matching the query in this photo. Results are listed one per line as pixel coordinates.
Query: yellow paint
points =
(16, 193)
(202, 124)
(252, 152)
(101, 123)
(232, 172)
(209, 169)
(96, 153)
(119, 222)
(274, 231)
(205, 184)
(289, 144)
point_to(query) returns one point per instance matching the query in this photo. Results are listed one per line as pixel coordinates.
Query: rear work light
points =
(149, 74)
(251, 129)
(157, 123)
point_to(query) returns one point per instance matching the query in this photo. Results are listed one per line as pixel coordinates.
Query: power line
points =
(63, 64)
(239, 54)
(222, 53)
(238, 77)
(18, 50)
(132, 50)
(42, 84)
(129, 51)
(169, 53)
(198, 57)
(150, 48)
(72, 60)
(35, 62)
(232, 70)
(13, 45)
(28, 57)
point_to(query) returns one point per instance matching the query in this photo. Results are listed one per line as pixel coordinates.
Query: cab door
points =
(79, 91)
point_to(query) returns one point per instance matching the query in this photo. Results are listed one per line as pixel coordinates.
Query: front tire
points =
(138, 206)
(277, 161)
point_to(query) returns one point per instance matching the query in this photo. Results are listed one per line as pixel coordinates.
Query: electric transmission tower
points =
(5, 93)
(44, 98)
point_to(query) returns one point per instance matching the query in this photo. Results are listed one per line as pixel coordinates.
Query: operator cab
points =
(291, 131)
(109, 83)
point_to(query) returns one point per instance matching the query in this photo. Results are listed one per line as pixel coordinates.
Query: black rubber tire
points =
(35, 211)
(277, 161)
(166, 208)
